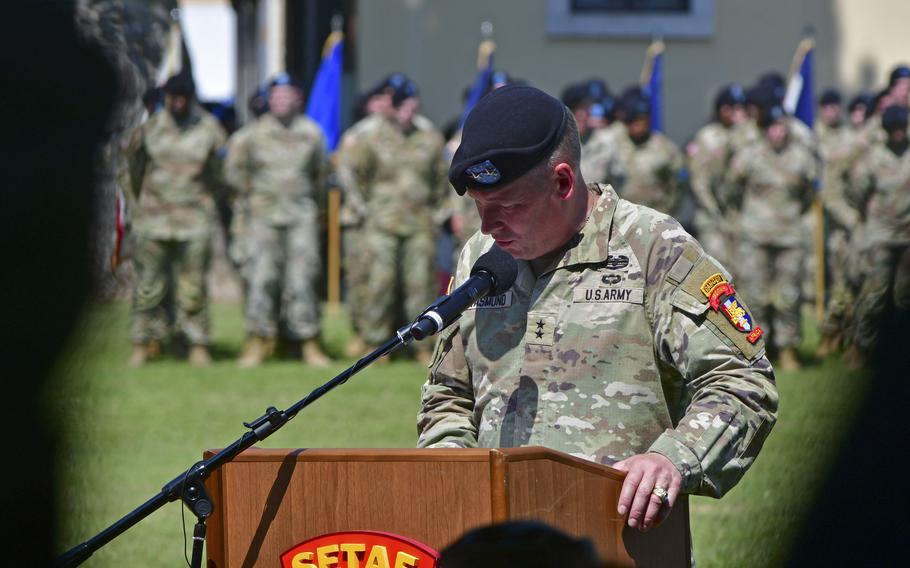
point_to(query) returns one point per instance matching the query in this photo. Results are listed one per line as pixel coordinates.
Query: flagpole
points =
(333, 205)
(805, 46)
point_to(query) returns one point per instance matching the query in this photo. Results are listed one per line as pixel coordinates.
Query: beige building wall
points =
(435, 43)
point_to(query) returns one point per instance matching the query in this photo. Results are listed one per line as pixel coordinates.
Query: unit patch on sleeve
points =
(727, 314)
(722, 297)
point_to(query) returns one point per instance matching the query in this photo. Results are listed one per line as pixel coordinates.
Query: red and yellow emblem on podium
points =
(360, 549)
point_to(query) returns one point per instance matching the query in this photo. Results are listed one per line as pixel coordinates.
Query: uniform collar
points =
(591, 243)
(272, 121)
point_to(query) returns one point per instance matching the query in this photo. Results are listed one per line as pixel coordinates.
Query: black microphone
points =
(493, 273)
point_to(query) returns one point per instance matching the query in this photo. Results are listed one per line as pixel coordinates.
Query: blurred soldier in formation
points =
(858, 110)
(238, 247)
(645, 168)
(709, 155)
(835, 147)
(772, 181)
(173, 169)
(277, 165)
(395, 169)
(896, 93)
(880, 189)
(374, 108)
(594, 111)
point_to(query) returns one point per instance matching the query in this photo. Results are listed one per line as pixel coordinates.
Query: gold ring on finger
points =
(661, 494)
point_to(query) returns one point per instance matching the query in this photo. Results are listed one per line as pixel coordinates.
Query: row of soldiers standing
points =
(753, 171)
(274, 173)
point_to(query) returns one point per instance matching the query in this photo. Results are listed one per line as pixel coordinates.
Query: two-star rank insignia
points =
(541, 329)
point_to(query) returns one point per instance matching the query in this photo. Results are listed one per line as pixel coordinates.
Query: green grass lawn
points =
(128, 431)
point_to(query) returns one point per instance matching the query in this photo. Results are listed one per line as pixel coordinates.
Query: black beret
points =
(634, 106)
(285, 80)
(770, 114)
(180, 84)
(597, 88)
(763, 96)
(576, 95)
(894, 118)
(729, 95)
(864, 100)
(508, 132)
(899, 72)
(830, 97)
(404, 91)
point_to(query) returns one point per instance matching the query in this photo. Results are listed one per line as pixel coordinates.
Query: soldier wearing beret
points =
(393, 170)
(277, 164)
(709, 155)
(773, 183)
(836, 150)
(645, 166)
(880, 189)
(173, 169)
(621, 341)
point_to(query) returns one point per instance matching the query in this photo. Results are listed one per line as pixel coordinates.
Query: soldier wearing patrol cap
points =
(621, 341)
(174, 167)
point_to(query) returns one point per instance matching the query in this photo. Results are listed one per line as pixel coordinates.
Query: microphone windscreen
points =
(500, 265)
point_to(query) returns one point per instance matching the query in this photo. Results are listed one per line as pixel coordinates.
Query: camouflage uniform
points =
(279, 172)
(836, 148)
(173, 167)
(612, 352)
(460, 206)
(775, 189)
(355, 256)
(880, 188)
(400, 177)
(709, 156)
(599, 151)
(648, 173)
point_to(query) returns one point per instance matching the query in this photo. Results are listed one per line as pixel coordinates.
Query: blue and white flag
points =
(800, 98)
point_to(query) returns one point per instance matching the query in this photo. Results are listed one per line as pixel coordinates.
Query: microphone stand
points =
(189, 486)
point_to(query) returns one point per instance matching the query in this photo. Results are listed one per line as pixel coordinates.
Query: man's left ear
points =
(565, 180)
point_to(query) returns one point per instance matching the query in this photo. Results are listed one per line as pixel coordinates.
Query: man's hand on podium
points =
(646, 474)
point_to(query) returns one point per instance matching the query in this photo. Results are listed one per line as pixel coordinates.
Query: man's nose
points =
(490, 219)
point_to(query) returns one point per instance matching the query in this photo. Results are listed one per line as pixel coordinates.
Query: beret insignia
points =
(484, 173)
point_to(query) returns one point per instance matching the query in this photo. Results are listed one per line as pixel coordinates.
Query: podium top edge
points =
(510, 455)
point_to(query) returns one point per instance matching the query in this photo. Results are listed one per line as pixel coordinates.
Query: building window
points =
(631, 18)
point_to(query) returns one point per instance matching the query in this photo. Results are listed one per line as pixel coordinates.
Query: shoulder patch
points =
(727, 315)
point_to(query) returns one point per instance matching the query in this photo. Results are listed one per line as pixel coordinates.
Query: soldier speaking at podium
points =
(621, 341)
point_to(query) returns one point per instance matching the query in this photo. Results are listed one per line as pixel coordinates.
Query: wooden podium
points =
(267, 501)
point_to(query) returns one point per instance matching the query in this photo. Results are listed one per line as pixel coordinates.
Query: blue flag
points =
(481, 82)
(652, 82)
(324, 104)
(656, 89)
(805, 106)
